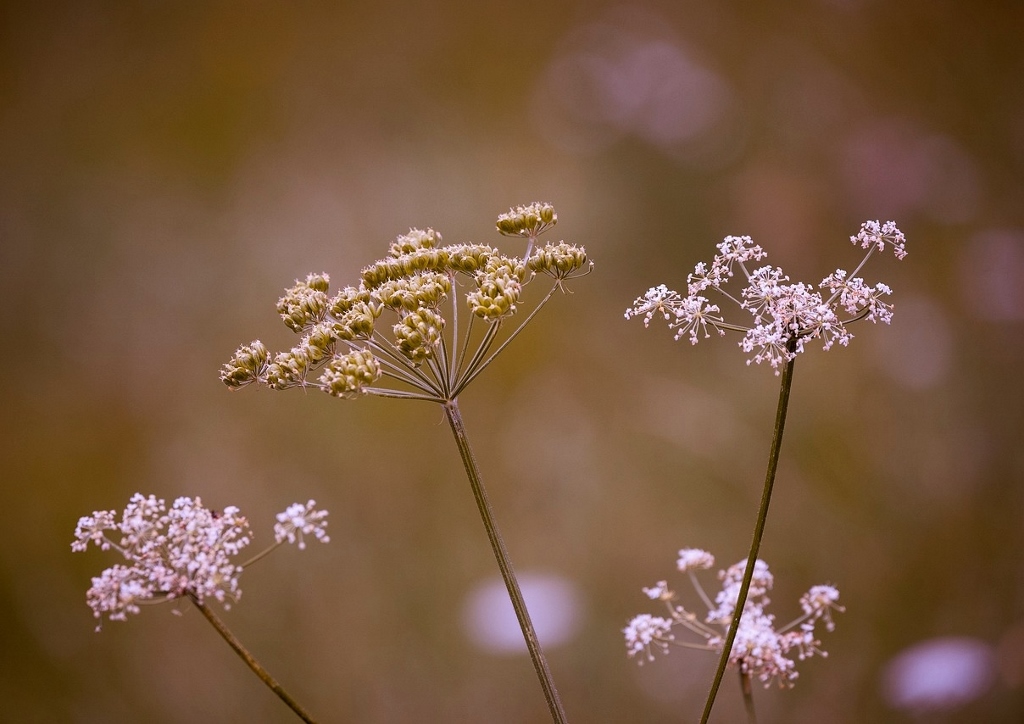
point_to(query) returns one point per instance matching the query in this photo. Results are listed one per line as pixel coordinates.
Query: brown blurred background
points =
(166, 169)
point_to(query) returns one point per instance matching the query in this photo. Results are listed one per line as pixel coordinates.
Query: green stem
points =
(748, 698)
(755, 545)
(451, 409)
(251, 662)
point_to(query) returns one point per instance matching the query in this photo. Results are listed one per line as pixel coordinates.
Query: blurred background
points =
(167, 169)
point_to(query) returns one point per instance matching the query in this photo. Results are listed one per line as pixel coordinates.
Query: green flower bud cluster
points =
(469, 258)
(415, 239)
(412, 281)
(289, 368)
(530, 221)
(345, 376)
(320, 341)
(418, 334)
(246, 366)
(426, 289)
(499, 285)
(399, 267)
(357, 322)
(559, 260)
(348, 299)
(305, 303)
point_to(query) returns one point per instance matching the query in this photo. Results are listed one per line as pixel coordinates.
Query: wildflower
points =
(784, 316)
(761, 649)
(645, 631)
(345, 352)
(692, 559)
(301, 520)
(186, 550)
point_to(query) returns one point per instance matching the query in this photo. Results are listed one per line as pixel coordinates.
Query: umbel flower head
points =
(784, 316)
(346, 347)
(761, 650)
(186, 550)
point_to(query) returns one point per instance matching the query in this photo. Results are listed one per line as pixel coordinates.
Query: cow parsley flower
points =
(186, 550)
(783, 316)
(762, 649)
(301, 520)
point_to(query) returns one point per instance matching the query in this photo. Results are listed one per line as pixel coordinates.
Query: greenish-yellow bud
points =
(346, 299)
(559, 260)
(469, 258)
(496, 295)
(305, 303)
(419, 333)
(348, 374)
(358, 321)
(289, 368)
(530, 221)
(414, 240)
(318, 282)
(246, 365)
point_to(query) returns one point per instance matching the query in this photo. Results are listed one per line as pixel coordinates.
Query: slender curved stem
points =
(251, 662)
(451, 410)
(762, 516)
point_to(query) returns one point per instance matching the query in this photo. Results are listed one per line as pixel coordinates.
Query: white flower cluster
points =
(186, 550)
(785, 316)
(301, 520)
(760, 649)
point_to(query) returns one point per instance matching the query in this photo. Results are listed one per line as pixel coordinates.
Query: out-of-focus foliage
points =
(166, 170)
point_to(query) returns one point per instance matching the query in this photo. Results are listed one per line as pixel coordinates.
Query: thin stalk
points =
(762, 516)
(389, 356)
(458, 367)
(473, 366)
(451, 410)
(262, 554)
(251, 662)
(401, 394)
(453, 364)
(748, 698)
(476, 367)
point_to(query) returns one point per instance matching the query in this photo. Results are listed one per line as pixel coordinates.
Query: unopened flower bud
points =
(414, 240)
(305, 303)
(497, 292)
(345, 376)
(246, 365)
(419, 333)
(559, 260)
(530, 221)
(289, 368)
(357, 322)
(469, 258)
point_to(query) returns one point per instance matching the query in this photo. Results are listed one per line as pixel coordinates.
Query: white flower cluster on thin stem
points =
(761, 649)
(187, 550)
(785, 316)
(301, 520)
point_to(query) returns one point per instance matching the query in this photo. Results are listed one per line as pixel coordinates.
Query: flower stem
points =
(251, 662)
(451, 409)
(748, 698)
(755, 545)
